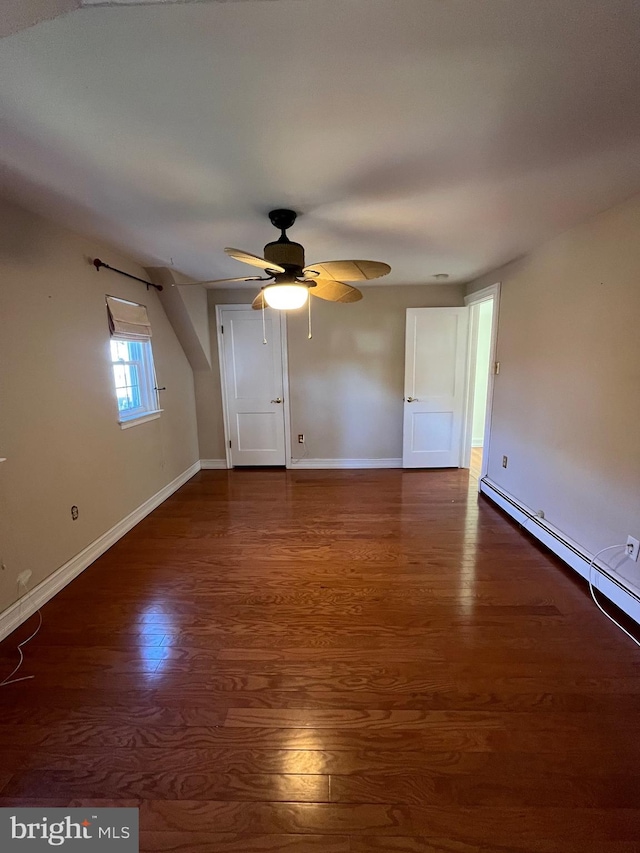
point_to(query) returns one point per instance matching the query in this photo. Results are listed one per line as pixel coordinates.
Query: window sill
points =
(142, 419)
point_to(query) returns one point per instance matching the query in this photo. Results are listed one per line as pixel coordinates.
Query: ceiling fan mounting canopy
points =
(284, 252)
(282, 218)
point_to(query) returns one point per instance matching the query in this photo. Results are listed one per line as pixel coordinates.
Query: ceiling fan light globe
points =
(286, 296)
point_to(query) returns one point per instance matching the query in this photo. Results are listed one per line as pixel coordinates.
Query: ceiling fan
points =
(291, 281)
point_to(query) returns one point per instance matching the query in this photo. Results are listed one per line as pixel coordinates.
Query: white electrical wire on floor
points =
(590, 576)
(10, 679)
(593, 595)
(304, 455)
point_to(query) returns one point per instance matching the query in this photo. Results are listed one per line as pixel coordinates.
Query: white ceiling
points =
(437, 136)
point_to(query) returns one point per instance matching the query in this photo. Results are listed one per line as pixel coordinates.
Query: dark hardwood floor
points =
(331, 661)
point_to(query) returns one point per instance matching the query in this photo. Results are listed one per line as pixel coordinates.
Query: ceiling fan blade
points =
(258, 303)
(254, 260)
(226, 280)
(348, 270)
(334, 291)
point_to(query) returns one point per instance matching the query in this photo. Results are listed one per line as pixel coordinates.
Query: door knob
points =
(277, 400)
(412, 400)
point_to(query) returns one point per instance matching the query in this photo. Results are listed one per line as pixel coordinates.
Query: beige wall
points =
(567, 401)
(207, 382)
(346, 384)
(58, 416)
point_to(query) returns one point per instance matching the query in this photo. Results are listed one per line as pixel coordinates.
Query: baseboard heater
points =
(605, 579)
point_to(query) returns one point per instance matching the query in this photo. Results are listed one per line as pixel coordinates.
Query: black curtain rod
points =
(98, 263)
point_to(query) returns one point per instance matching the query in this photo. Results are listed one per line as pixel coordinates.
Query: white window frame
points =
(149, 409)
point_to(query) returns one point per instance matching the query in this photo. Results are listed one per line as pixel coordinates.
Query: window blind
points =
(128, 320)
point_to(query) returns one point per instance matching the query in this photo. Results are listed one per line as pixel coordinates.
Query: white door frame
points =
(492, 292)
(223, 382)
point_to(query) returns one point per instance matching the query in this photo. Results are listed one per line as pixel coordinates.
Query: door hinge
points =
(496, 367)
(229, 442)
(222, 330)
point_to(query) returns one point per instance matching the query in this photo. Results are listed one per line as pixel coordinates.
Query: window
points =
(132, 361)
(134, 378)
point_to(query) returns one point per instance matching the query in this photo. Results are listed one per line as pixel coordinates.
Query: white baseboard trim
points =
(212, 464)
(477, 442)
(605, 578)
(346, 463)
(27, 605)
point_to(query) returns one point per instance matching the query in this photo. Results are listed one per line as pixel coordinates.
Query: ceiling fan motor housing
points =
(286, 254)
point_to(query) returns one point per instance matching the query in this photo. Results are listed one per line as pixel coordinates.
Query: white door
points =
(434, 387)
(253, 385)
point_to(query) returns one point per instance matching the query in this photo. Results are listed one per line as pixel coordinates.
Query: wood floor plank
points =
(445, 731)
(504, 825)
(214, 842)
(256, 762)
(442, 696)
(475, 770)
(341, 719)
(330, 661)
(72, 710)
(90, 779)
(391, 844)
(488, 788)
(398, 844)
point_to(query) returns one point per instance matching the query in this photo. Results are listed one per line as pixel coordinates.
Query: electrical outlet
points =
(74, 513)
(505, 461)
(23, 577)
(633, 548)
(300, 438)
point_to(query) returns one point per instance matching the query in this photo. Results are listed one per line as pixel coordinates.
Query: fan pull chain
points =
(264, 328)
(310, 335)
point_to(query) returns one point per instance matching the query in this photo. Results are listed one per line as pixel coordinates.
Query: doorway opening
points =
(481, 370)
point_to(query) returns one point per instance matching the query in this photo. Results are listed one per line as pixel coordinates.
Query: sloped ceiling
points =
(437, 136)
(16, 15)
